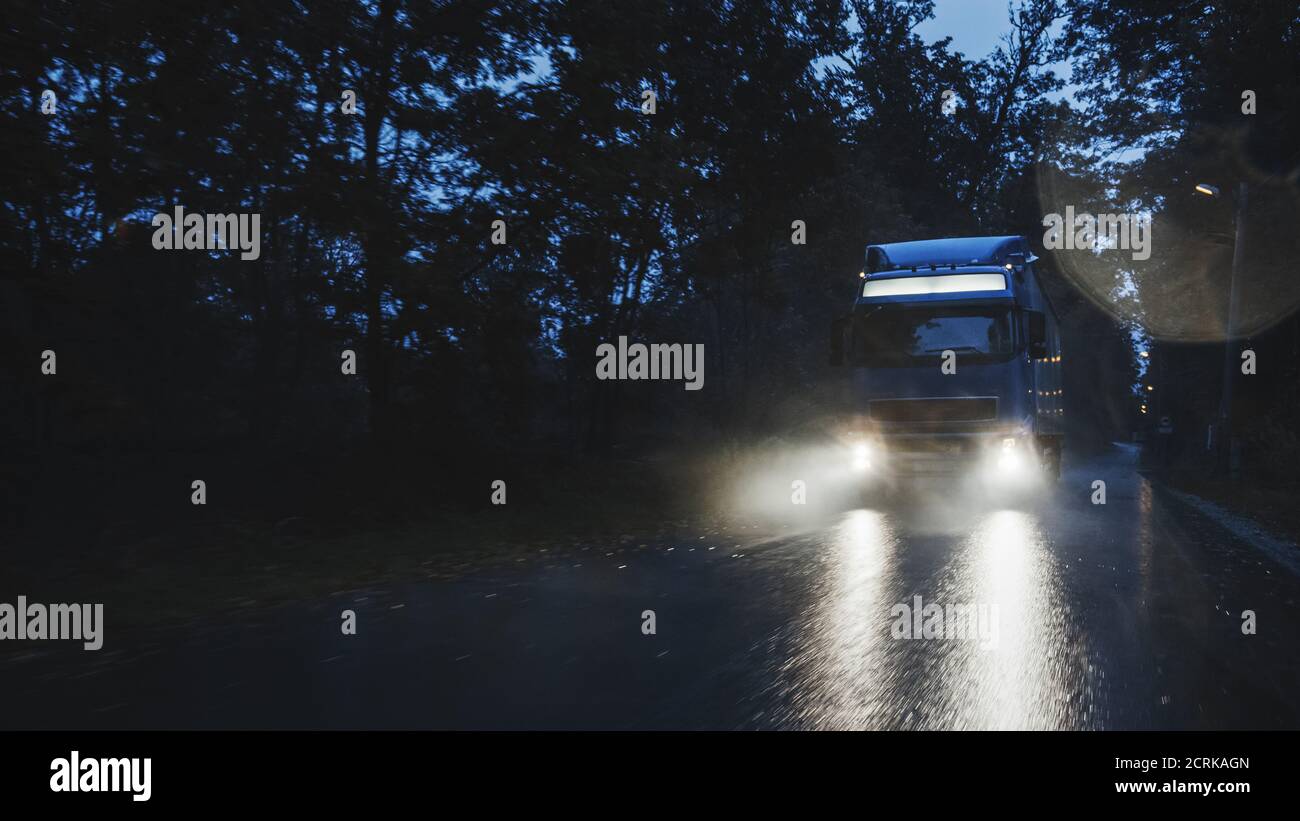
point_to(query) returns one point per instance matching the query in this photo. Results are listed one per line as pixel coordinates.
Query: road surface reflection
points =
(992, 646)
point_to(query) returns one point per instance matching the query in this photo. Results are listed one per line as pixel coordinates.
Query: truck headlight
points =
(861, 457)
(1009, 456)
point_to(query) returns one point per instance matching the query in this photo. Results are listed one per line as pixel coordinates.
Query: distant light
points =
(1150, 388)
(1144, 354)
(1207, 189)
(862, 274)
(1144, 410)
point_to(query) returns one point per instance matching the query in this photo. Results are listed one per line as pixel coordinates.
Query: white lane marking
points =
(1249, 531)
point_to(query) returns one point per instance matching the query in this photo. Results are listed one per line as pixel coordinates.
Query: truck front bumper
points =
(995, 457)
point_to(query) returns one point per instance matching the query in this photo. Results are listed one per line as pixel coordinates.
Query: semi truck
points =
(955, 353)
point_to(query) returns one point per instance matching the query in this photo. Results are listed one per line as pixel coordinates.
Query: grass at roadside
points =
(153, 565)
(173, 572)
(1274, 508)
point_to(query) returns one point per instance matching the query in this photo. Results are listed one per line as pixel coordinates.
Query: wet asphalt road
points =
(1122, 616)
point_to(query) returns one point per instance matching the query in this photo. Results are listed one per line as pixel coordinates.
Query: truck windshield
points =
(894, 336)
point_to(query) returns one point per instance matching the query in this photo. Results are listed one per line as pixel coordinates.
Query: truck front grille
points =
(933, 411)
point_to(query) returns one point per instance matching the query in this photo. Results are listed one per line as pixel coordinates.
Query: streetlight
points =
(1230, 324)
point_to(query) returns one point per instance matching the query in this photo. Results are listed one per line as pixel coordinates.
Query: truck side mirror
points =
(1037, 327)
(839, 326)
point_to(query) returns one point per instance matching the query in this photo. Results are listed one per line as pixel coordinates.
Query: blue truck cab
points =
(956, 362)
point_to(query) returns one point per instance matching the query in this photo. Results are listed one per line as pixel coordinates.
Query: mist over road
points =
(1116, 616)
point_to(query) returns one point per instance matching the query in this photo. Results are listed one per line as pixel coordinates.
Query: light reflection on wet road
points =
(1125, 615)
(1024, 671)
